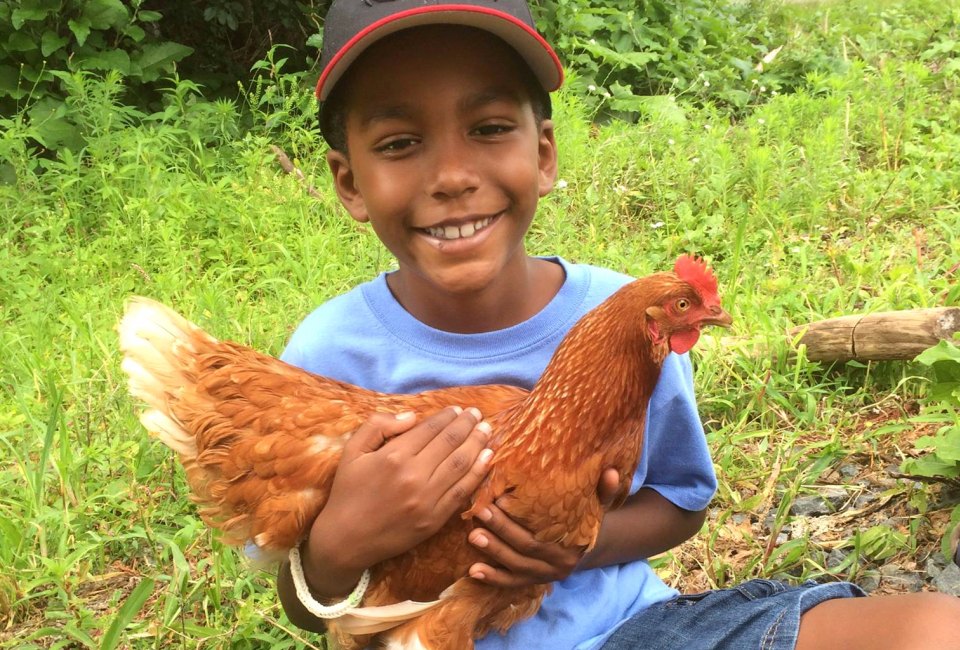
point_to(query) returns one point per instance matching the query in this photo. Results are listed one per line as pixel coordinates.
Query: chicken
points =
(260, 441)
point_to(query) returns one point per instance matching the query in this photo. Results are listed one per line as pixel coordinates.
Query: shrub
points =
(40, 40)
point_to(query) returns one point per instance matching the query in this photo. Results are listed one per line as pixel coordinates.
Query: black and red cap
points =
(351, 26)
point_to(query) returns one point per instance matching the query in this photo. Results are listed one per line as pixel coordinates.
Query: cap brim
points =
(525, 40)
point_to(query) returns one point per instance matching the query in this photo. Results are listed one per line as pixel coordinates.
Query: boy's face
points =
(446, 159)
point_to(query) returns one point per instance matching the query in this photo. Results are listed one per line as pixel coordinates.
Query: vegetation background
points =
(809, 151)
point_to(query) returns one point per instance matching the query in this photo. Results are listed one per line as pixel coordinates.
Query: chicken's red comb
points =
(695, 272)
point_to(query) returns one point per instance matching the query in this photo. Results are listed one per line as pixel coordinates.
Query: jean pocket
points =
(760, 588)
(686, 600)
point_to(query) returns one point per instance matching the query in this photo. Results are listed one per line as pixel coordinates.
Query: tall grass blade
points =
(131, 607)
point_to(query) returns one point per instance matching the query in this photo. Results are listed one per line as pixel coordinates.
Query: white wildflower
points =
(761, 121)
(671, 142)
(706, 84)
(562, 184)
(656, 224)
(695, 160)
(592, 88)
(763, 89)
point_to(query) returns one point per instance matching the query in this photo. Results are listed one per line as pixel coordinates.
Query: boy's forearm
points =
(327, 582)
(292, 606)
(646, 525)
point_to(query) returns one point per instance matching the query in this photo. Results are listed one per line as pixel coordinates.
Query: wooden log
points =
(878, 337)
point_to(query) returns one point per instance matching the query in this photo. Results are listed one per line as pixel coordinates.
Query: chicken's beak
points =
(717, 316)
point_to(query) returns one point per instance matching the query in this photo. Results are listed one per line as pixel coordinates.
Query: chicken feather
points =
(260, 441)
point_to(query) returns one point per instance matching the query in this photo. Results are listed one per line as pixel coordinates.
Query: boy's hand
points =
(517, 558)
(398, 482)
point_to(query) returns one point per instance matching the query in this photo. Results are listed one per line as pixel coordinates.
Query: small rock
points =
(869, 581)
(835, 496)
(828, 500)
(835, 558)
(933, 568)
(771, 521)
(899, 579)
(849, 470)
(948, 580)
(739, 518)
(809, 506)
(863, 500)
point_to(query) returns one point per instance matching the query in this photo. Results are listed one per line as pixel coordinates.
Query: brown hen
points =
(260, 441)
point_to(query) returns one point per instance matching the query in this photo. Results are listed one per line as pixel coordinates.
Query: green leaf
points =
(104, 14)
(20, 42)
(149, 16)
(134, 33)
(944, 391)
(931, 466)
(80, 29)
(130, 608)
(20, 16)
(52, 128)
(637, 60)
(117, 60)
(50, 42)
(154, 59)
(942, 351)
(10, 82)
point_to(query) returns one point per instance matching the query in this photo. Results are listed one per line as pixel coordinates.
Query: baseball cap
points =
(351, 26)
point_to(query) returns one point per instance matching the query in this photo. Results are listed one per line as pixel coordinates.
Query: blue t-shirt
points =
(365, 337)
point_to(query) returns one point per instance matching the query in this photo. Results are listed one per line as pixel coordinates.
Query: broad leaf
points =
(117, 60)
(50, 42)
(20, 42)
(154, 59)
(80, 29)
(104, 14)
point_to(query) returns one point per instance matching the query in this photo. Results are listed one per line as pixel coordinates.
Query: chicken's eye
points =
(683, 304)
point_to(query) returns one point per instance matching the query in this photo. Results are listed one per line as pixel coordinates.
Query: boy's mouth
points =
(463, 231)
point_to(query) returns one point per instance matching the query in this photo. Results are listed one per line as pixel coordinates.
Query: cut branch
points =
(883, 336)
(878, 337)
(287, 165)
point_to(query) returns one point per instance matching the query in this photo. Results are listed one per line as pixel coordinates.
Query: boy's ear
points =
(547, 150)
(345, 184)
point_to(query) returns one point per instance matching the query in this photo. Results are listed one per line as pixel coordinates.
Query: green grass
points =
(843, 197)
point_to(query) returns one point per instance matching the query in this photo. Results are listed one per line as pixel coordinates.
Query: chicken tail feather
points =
(154, 340)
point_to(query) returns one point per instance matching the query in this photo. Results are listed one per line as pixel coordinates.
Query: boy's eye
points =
(395, 145)
(493, 129)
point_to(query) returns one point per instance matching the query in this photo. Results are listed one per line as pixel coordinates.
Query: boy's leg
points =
(924, 621)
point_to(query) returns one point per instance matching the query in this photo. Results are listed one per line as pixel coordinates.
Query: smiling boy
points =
(438, 119)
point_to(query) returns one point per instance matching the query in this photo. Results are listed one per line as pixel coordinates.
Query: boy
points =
(438, 118)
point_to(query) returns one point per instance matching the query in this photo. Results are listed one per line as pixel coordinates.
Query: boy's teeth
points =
(453, 232)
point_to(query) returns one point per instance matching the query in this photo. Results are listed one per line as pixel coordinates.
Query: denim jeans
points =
(759, 614)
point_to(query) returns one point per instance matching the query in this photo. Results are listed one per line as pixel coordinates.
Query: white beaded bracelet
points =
(324, 611)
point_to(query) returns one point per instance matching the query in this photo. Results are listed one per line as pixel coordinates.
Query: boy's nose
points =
(454, 171)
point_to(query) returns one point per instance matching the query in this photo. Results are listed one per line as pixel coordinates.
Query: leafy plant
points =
(624, 52)
(41, 40)
(942, 407)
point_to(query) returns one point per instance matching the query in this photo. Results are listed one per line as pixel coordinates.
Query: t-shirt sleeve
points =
(676, 460)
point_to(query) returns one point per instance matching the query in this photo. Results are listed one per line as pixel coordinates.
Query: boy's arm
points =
(397, 483)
